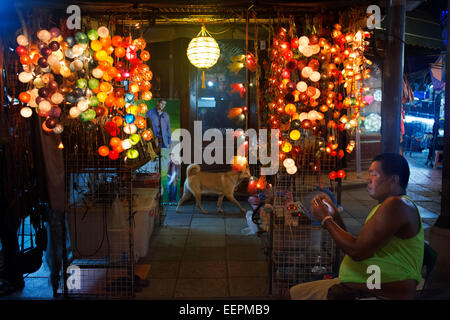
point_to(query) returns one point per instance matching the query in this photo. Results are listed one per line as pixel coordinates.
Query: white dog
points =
(221, 183)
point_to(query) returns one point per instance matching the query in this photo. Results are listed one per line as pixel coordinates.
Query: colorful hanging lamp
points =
(203, 52)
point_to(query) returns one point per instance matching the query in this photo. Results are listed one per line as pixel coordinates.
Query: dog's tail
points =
(192, 169)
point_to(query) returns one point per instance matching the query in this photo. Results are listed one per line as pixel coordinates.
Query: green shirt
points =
(399, 259)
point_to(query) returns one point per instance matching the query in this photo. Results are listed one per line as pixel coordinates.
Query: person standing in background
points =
(161, 124)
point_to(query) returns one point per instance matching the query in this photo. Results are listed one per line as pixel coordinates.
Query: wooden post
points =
(393, 76)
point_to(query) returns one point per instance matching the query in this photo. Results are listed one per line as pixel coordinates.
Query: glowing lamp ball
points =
(302, 86)
(147, 135)
(332, 175)
(74, 112)
(286, 147)
(114, 141)
(87, 115)
(288, 162)
(203, 51)
(83, 105)
(145, 55)
(93, 84)
(45, 106)
(44, 35)
(26, 112)
(132, 154)
(24, 97)
(147, 95)
(126, 144)
(22, 40)
(103, 151)
(130, 128)
(25, 77)
(294, 135)
(315, 76)
(129, 97)
(129, 118)
(93, 101)
(134, 138)
(51, 123)
(58, 129)
(306, 124)
(291, 170)
(92, 34)
(113, 155)
(290, 109)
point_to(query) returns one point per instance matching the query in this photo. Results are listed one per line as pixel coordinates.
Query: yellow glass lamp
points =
(203, 52)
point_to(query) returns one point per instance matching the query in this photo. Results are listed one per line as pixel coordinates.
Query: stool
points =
(437, 160)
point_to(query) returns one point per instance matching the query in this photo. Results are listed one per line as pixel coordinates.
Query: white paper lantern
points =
(57, 98)
(288, 162)
(76, 65)
(69, 54)
(315, 49)
(22, 40)
(303, 41)
(44, 35)
(312, 115)
(126, 144)
(26, 112)
(303, 116)
(307, 51)
(130, 128)
(45, 106)
(306, 72)
(291, 170)
(315, 76)
(25, 77)
(103, 32)
(77, 50)
(52, 60)
(74, 112)
(317, 95)
(97, 73)
(58, 129)
(83, 105)
(302, 86)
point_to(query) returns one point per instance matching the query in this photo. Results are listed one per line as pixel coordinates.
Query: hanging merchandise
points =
(315, 90)
(97, 78)
(203, 52)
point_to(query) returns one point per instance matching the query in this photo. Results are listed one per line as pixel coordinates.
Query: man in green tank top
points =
(386, 258)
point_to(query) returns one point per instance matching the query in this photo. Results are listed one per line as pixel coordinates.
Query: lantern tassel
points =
(203, 79)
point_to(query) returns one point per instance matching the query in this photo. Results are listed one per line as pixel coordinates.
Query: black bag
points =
(30, 260)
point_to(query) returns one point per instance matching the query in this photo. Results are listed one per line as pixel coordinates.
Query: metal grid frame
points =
(300, 250)
(102, 238)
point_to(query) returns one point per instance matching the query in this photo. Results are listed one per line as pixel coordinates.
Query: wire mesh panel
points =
(301, 250)
(100, 220)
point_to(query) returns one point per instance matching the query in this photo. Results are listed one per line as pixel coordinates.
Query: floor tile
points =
(248, 269)
(249, 287)
(204, 254)
(207, 222)
(158, 288)
(164, 254)
(201, 288)
(203, 269)
(206, 240)
(207, 230)
(239, 240)
(168, 240)
(248, 253)
(181, 220)
(164, 269)
(171, 230)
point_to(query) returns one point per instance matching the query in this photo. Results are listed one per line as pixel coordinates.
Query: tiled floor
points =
(193, 255)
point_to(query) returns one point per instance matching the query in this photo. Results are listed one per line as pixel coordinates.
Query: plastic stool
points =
(436, 159)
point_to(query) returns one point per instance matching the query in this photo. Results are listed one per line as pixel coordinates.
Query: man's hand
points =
(322, 206)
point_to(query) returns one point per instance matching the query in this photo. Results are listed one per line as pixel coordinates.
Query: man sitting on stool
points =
(391, 240)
